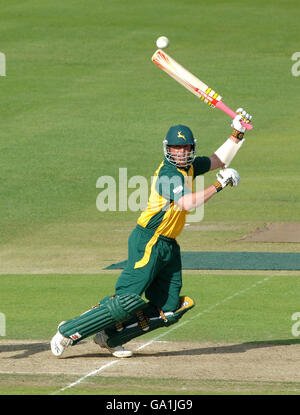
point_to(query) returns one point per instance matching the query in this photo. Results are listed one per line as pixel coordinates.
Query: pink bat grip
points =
(231, 113)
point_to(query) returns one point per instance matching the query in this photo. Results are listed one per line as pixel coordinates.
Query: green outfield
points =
(235, 313)
(82, 99)
(262, 309)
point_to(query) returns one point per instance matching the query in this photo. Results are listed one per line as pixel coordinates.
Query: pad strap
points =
(154, 318)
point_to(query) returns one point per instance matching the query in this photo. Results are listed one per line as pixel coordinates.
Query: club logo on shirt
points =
(178, 189)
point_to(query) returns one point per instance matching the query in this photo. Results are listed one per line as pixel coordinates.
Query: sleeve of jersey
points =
(170, 185)
(201, 165)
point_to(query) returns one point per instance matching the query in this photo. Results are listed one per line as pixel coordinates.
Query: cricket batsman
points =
(154, 262)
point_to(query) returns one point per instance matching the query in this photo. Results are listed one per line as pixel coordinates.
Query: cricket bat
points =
(192, 83)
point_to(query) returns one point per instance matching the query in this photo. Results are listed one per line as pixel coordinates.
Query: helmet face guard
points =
(182, 161)
(180, 135)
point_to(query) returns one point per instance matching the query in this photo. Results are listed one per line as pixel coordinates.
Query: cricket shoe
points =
(118, 351)
(59, 343)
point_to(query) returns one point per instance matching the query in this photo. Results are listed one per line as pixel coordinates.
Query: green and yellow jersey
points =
(162, 215)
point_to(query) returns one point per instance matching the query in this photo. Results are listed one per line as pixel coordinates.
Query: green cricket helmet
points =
(179, 135)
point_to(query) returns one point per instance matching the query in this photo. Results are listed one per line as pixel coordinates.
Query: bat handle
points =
(231, 113)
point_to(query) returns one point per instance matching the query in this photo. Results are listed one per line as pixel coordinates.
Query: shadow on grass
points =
(28, 349)
(232, 348)
(35, 348)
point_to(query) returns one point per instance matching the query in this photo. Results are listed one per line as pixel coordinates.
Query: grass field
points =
(257, 314)
(81, 99)
(236, 315)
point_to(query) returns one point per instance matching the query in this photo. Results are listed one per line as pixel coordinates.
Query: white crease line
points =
(94, 372)
(201, 312)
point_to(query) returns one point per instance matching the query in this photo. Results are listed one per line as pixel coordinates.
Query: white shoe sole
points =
(122, 353)
(56, 348)
(118, 351)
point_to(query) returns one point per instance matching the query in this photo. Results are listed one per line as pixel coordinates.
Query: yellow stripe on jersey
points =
(170, 218)
(167, 218)
(156, 202)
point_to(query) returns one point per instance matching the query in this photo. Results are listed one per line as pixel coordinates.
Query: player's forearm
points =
(224, 155)
(192, 200)
(228, 150)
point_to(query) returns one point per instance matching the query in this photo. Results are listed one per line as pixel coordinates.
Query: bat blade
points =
(179, 73)
(192, 83)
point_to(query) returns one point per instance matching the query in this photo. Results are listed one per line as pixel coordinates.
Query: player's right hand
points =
(227, 177)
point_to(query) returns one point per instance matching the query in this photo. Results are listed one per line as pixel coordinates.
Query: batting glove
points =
(239, 130)
(227, 177)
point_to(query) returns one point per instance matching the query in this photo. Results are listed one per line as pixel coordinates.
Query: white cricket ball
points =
(162, 42)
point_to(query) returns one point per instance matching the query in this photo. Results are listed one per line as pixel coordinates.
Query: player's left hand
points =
(228, 177)
(242, 115)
